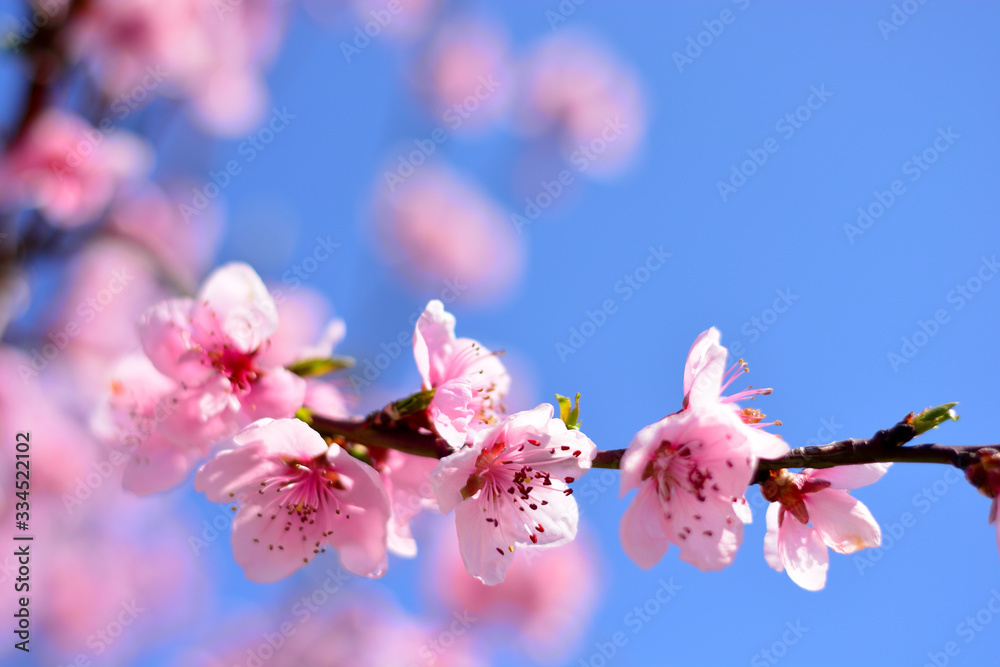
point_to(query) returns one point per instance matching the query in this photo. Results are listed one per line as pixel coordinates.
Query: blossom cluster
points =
(211, 390)
(210, 385)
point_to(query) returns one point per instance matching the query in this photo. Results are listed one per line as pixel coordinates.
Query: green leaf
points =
(569, 415)
(320, 366)
(412, 404)
(932, 417)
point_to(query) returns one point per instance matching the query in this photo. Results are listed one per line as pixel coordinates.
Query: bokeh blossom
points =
(69, 170)
(209, 346)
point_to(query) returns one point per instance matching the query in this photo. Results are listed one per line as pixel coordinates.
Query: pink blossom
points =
(469, 76)
(691, 469)
(593, 103)
(407, 483)
(985, 476)
(811, 511)
(469, 381)
(407, 21)
(296, 494)
(510, 487)
(69, 170)
(210, 347)
(209, 53)
(63, 453)
(127, 418)
(706, 377)
(105, 290)
(183, 248)
(547, 597)
(308, 332)
(88, 582)
(435, 227)
(359, 631)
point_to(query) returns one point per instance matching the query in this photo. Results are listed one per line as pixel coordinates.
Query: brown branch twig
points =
(884, 447)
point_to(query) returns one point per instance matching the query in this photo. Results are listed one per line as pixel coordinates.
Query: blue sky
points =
(899, 123)
(782, 240)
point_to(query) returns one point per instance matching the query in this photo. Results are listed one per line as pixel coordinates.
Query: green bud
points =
(320, 366)
(932, 417)
(569, 415)
(412, 404)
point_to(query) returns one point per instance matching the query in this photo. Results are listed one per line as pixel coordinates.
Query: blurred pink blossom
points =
(297, 494)
(209, 53)
(308, 332)
(110, 589)
(67, 468)
(355, 632)
(441, 231)
(209, 346)
(548, 596)
(183, 249)
(400, 19)
(69, 170)
(407, 483)
(467, 74)
(107, 287)
(127, 419)
(594, 103)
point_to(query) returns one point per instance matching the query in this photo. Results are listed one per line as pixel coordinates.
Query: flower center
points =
(673, 466)
(508, 475)
(238, 367)
(790, 490)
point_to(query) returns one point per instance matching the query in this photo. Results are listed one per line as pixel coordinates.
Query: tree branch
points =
(884, 447)
(390, 437)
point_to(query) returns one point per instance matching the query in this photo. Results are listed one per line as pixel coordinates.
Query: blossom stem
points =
(364, 432)
(884, 447)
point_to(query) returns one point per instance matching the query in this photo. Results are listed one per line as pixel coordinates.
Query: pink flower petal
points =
(197, 418)
(158, 465)
(803, 554)
(708, 533)
(844, 523)
(449, 411)
(164, 330)
(434, 331)
(485, 551)
(705, 366)
(407, 482)
(638, 455)
(850, 477)
(641, 529)
(452, 475)
(255, 453)
(359, 532)
(766, 445)
(277, 394)
(233, 300)
(772, 554)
